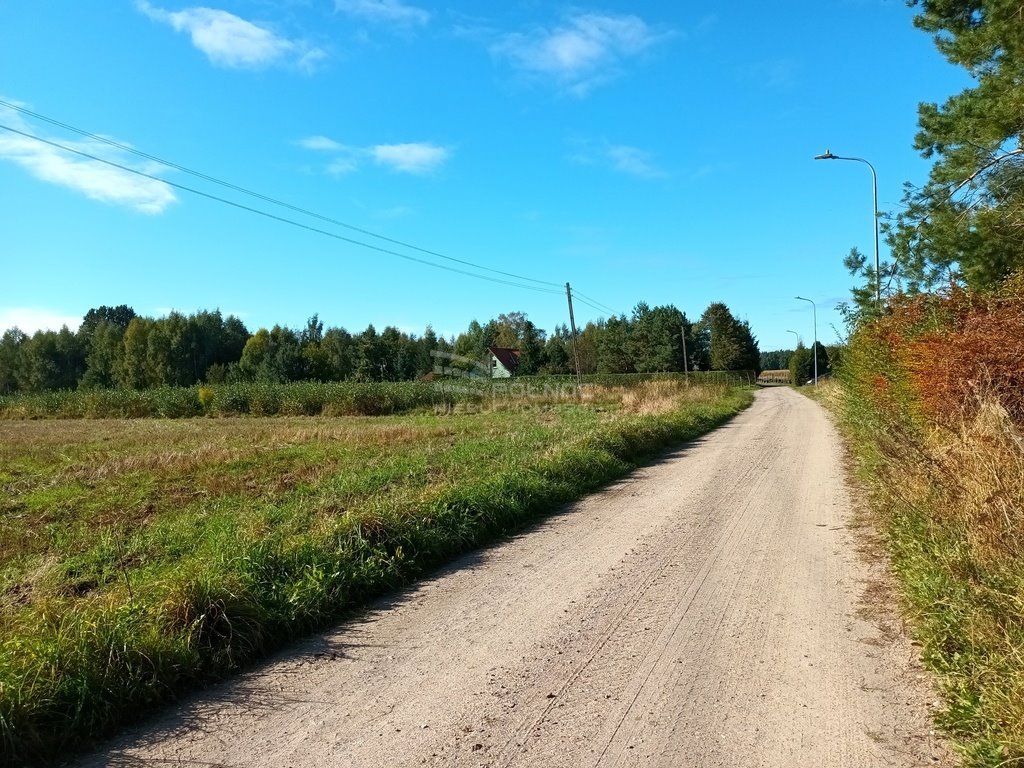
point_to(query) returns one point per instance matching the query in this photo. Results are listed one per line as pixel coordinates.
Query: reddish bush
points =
(936, 355)
(979, 351)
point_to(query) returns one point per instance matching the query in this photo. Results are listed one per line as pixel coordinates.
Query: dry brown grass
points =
(984, 458)
(647, 397)
(780, 376)
(654, 397)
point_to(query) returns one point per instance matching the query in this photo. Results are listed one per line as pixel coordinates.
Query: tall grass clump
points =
(140, 559)
(933, 397)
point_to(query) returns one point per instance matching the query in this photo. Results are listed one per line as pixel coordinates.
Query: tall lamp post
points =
(815, 308)
(874, 213)
(799, 341)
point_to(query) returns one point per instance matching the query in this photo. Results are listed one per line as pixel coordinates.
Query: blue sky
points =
(641, 150)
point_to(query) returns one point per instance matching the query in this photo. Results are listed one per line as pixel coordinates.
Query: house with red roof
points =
(503, 362)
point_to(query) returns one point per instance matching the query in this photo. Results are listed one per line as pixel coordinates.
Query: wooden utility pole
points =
(572, 325)
(686, 363)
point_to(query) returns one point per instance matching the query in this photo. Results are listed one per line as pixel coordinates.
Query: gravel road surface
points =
(719, 607)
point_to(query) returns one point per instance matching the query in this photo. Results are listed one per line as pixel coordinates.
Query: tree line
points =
(116, 348)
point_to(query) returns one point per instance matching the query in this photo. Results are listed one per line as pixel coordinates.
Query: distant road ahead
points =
(705, 611)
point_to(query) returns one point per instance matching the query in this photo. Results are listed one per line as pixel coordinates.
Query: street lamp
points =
(797, 336)
(815, 308)
(874, 212)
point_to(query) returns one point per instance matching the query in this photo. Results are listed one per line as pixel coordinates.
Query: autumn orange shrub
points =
(938, 356)
(981, 352)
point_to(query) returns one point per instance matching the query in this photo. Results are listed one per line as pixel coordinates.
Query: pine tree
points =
(965, 224)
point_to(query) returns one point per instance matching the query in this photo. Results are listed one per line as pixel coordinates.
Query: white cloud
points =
(619, 157)
(231, 41)
(585, 51)
(635, 162)
(32, 319)
(320, 144)
(344, 164)
(384, 11)
(410, 158)
(95, 180)
(416, 158)
(310, 61)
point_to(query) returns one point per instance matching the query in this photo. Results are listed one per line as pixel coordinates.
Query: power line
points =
(603, 307)
(265, 198)
(273, 216)
(576, 297)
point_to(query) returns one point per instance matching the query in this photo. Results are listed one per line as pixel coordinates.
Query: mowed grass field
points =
(139, 558)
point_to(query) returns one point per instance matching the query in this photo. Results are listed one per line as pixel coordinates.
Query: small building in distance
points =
(503, 362)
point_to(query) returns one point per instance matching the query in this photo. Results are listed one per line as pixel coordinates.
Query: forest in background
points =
(116, 348)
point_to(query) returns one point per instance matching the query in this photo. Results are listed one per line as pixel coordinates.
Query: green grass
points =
(139, 558)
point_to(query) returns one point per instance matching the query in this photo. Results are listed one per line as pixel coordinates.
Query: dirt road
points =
(706, 611)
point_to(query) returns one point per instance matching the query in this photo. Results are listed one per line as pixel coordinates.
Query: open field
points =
(310, 398)
(141, 557)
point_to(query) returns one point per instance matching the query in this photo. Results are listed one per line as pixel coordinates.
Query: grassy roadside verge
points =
(139, 559)
(939, 448)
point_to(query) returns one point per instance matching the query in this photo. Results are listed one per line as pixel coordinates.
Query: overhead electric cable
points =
(273, 216)
(266, 198)
(576, 297)
(604, 307)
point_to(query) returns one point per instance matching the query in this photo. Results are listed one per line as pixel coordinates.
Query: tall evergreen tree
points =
(965, 223)
(531, 349)
(613, 347)
(731, 345)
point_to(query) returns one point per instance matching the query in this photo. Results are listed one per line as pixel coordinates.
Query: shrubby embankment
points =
(933, 397)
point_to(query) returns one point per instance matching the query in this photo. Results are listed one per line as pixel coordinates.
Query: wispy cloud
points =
(233, 42)
(411, 158)
(95, 180)
(622, 158)
(319, 144)
(344, 163)
(384, 12)
(634, 161)
(416, 158)
(32, 319)
(586, 50)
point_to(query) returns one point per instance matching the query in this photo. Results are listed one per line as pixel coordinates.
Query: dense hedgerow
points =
(933, 396)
